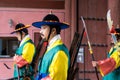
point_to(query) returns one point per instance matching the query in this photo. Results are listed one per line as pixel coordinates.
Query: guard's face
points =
(44, 31)
(18, 36)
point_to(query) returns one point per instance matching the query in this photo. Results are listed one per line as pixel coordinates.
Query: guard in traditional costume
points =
(110, 67)
(24, 54)
(55, 62)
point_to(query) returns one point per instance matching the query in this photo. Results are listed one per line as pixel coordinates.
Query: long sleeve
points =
(27, 55)
(59, 66)
(108, 65)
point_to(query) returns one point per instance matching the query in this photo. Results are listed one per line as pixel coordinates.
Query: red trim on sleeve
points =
(106, 66)
(20, 61)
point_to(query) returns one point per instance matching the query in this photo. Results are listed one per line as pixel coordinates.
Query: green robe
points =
(114, 75)
(23, 70)
(48, 57)
(45, 66)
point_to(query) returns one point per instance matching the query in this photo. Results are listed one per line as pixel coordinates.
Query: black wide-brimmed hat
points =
(50, 19)
(117, 30)
(20, 27)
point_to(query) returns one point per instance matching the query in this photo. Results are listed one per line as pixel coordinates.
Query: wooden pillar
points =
(114, 6)
(68, 20)
(74, 17)
(70, 14)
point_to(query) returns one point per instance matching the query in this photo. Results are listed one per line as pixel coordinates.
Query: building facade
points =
(70, 11)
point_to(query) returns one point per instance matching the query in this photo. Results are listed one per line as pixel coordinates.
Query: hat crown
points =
(117, 30)
(51, 17)
(19, 25)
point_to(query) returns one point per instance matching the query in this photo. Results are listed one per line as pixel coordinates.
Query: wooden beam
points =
(33, 4)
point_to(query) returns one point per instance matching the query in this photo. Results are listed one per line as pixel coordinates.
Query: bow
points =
(89, 45)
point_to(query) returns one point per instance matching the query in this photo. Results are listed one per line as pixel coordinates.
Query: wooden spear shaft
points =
(89, 45)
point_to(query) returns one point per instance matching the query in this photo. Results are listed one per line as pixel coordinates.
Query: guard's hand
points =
(46, 78)
(15, 57)
(94, 63)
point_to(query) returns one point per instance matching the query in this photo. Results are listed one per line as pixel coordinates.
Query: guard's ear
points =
(54, 30)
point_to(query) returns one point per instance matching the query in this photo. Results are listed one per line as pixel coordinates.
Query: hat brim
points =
(61, 25)
(26, 26)
(13, 32)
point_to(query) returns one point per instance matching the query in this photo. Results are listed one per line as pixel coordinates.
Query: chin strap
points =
(49, 33)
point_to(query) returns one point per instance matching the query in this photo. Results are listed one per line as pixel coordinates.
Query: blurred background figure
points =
(24, 54)
(110, 67)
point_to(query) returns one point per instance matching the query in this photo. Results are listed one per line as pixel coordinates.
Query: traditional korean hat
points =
(117, 30)
(117, 33)
(50, 19)
(20, 27)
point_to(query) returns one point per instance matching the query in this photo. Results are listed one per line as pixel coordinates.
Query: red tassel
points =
(45, 43)
(84, 33)
(112, 30)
